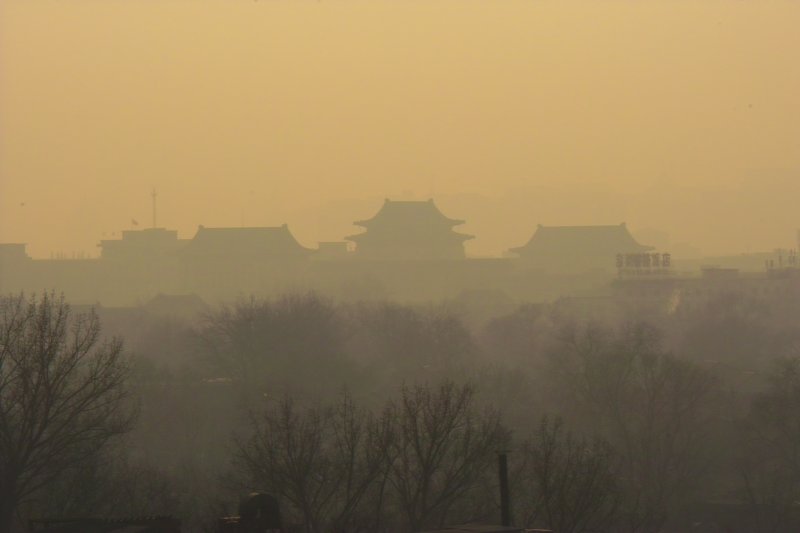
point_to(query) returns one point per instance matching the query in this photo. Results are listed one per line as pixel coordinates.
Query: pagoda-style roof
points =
(413, 218)
(409, 230)
(404, 212)
(264, 241)
(589, 241)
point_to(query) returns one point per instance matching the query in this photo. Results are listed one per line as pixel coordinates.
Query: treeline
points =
(387, 417)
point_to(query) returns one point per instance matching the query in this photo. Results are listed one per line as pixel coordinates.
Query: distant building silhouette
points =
(228, 261)
(265, 243)
(409, 251)
(14, 265)
(141, 244)
(578, 247)
(332, 251)
(409, 230)
(13, 252)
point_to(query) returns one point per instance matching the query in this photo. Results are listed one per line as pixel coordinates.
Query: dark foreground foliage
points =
(386, 417)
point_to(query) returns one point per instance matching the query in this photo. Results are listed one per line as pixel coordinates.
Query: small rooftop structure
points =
(13, 251)
(140, 244)
(576, 247)
(332, 250)
(414, 230)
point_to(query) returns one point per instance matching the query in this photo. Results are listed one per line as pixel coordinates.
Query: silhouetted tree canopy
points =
(62, 395)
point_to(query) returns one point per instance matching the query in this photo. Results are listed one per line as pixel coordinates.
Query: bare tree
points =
(62, 394)
(399, 343)
(292, 344)
(655, 409)
(329, 463)
(568, 484)
(769, 461)
(444, 447)
(109, 484)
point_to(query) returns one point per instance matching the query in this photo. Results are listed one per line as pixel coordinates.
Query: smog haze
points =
(416, 266)
(676, 116)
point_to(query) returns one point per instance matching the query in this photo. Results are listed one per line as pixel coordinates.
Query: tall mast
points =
(154, 207)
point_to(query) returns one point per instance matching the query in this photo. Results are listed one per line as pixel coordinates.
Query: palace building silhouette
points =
(409, 250)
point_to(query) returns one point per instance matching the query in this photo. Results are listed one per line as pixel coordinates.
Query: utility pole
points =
(154, 207)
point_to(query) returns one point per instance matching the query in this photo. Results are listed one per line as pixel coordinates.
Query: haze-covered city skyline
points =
(418, 266)
(675, 116)
(498, 223)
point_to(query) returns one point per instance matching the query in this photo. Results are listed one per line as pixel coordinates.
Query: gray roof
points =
(271, 241)
(412, 219)
(404, 212)
(580, 240)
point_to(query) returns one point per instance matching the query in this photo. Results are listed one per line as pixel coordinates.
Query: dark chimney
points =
(505, 498)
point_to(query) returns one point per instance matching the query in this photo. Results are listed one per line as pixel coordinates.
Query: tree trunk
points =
(7, 507)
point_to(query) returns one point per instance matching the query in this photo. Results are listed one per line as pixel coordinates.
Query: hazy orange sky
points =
(680, 116)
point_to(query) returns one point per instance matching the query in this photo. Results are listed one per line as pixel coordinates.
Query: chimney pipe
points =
(505, 498)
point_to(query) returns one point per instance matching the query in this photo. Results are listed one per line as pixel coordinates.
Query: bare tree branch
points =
(62, 394)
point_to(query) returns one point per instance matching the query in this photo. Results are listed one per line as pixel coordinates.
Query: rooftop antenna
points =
(154, 195)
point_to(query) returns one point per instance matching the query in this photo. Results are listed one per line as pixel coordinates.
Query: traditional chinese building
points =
(265, 243)
(409, 230)
(576, 248)
(247, 260)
